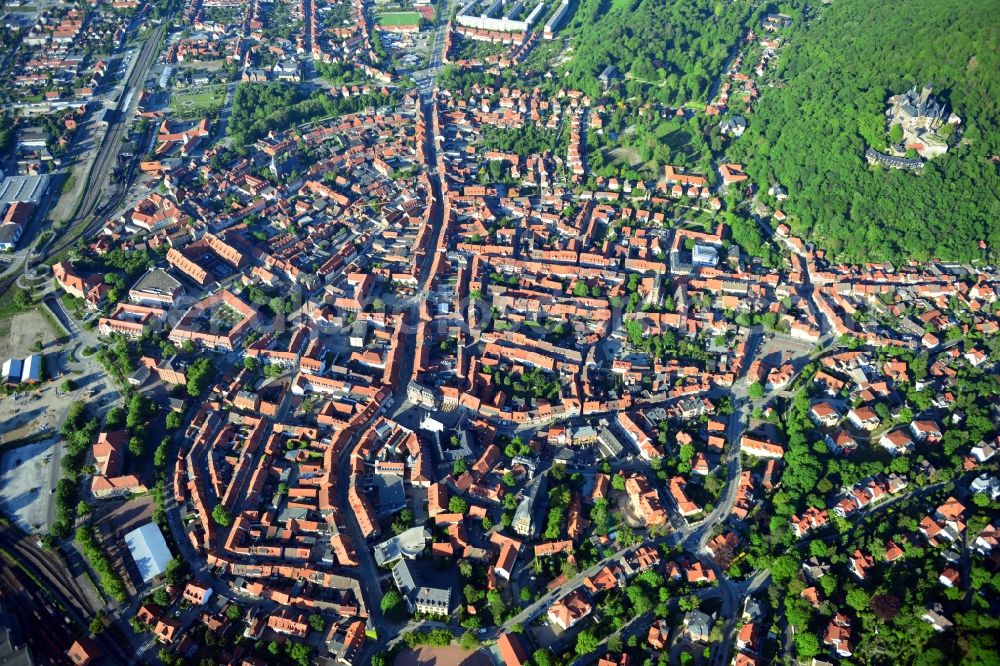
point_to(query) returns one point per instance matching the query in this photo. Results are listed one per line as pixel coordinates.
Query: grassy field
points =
(680, 142)
(399, 18)
(198, 104)
(16, 305)
(68, 184)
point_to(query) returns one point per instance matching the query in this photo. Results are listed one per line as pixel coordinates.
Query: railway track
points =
(60, 593)
(50, 567)
(41, 626)
(88, 217)
(87, 212)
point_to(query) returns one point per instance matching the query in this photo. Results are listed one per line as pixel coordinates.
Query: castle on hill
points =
(920, 116)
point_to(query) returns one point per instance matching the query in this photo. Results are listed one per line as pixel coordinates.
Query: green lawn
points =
(399, 18)
(197, 104)
(68, 184)
(680, 142)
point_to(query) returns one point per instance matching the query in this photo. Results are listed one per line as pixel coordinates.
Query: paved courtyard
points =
(441, 656)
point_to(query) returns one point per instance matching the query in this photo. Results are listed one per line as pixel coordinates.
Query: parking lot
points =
(779, 349)
(25, 483)
(32, 418)
(31, 413)
(42, 410)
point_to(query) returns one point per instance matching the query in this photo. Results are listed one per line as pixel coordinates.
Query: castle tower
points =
(925, 95)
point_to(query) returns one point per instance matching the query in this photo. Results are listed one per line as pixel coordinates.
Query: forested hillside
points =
(671, 51)
(810, 135)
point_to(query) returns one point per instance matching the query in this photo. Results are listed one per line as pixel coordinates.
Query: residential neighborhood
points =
(360, 356)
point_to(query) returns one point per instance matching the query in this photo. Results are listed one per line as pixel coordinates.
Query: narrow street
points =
(368, 570)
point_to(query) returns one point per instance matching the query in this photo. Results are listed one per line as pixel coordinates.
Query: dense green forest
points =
(810, 135)
(671, 51)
